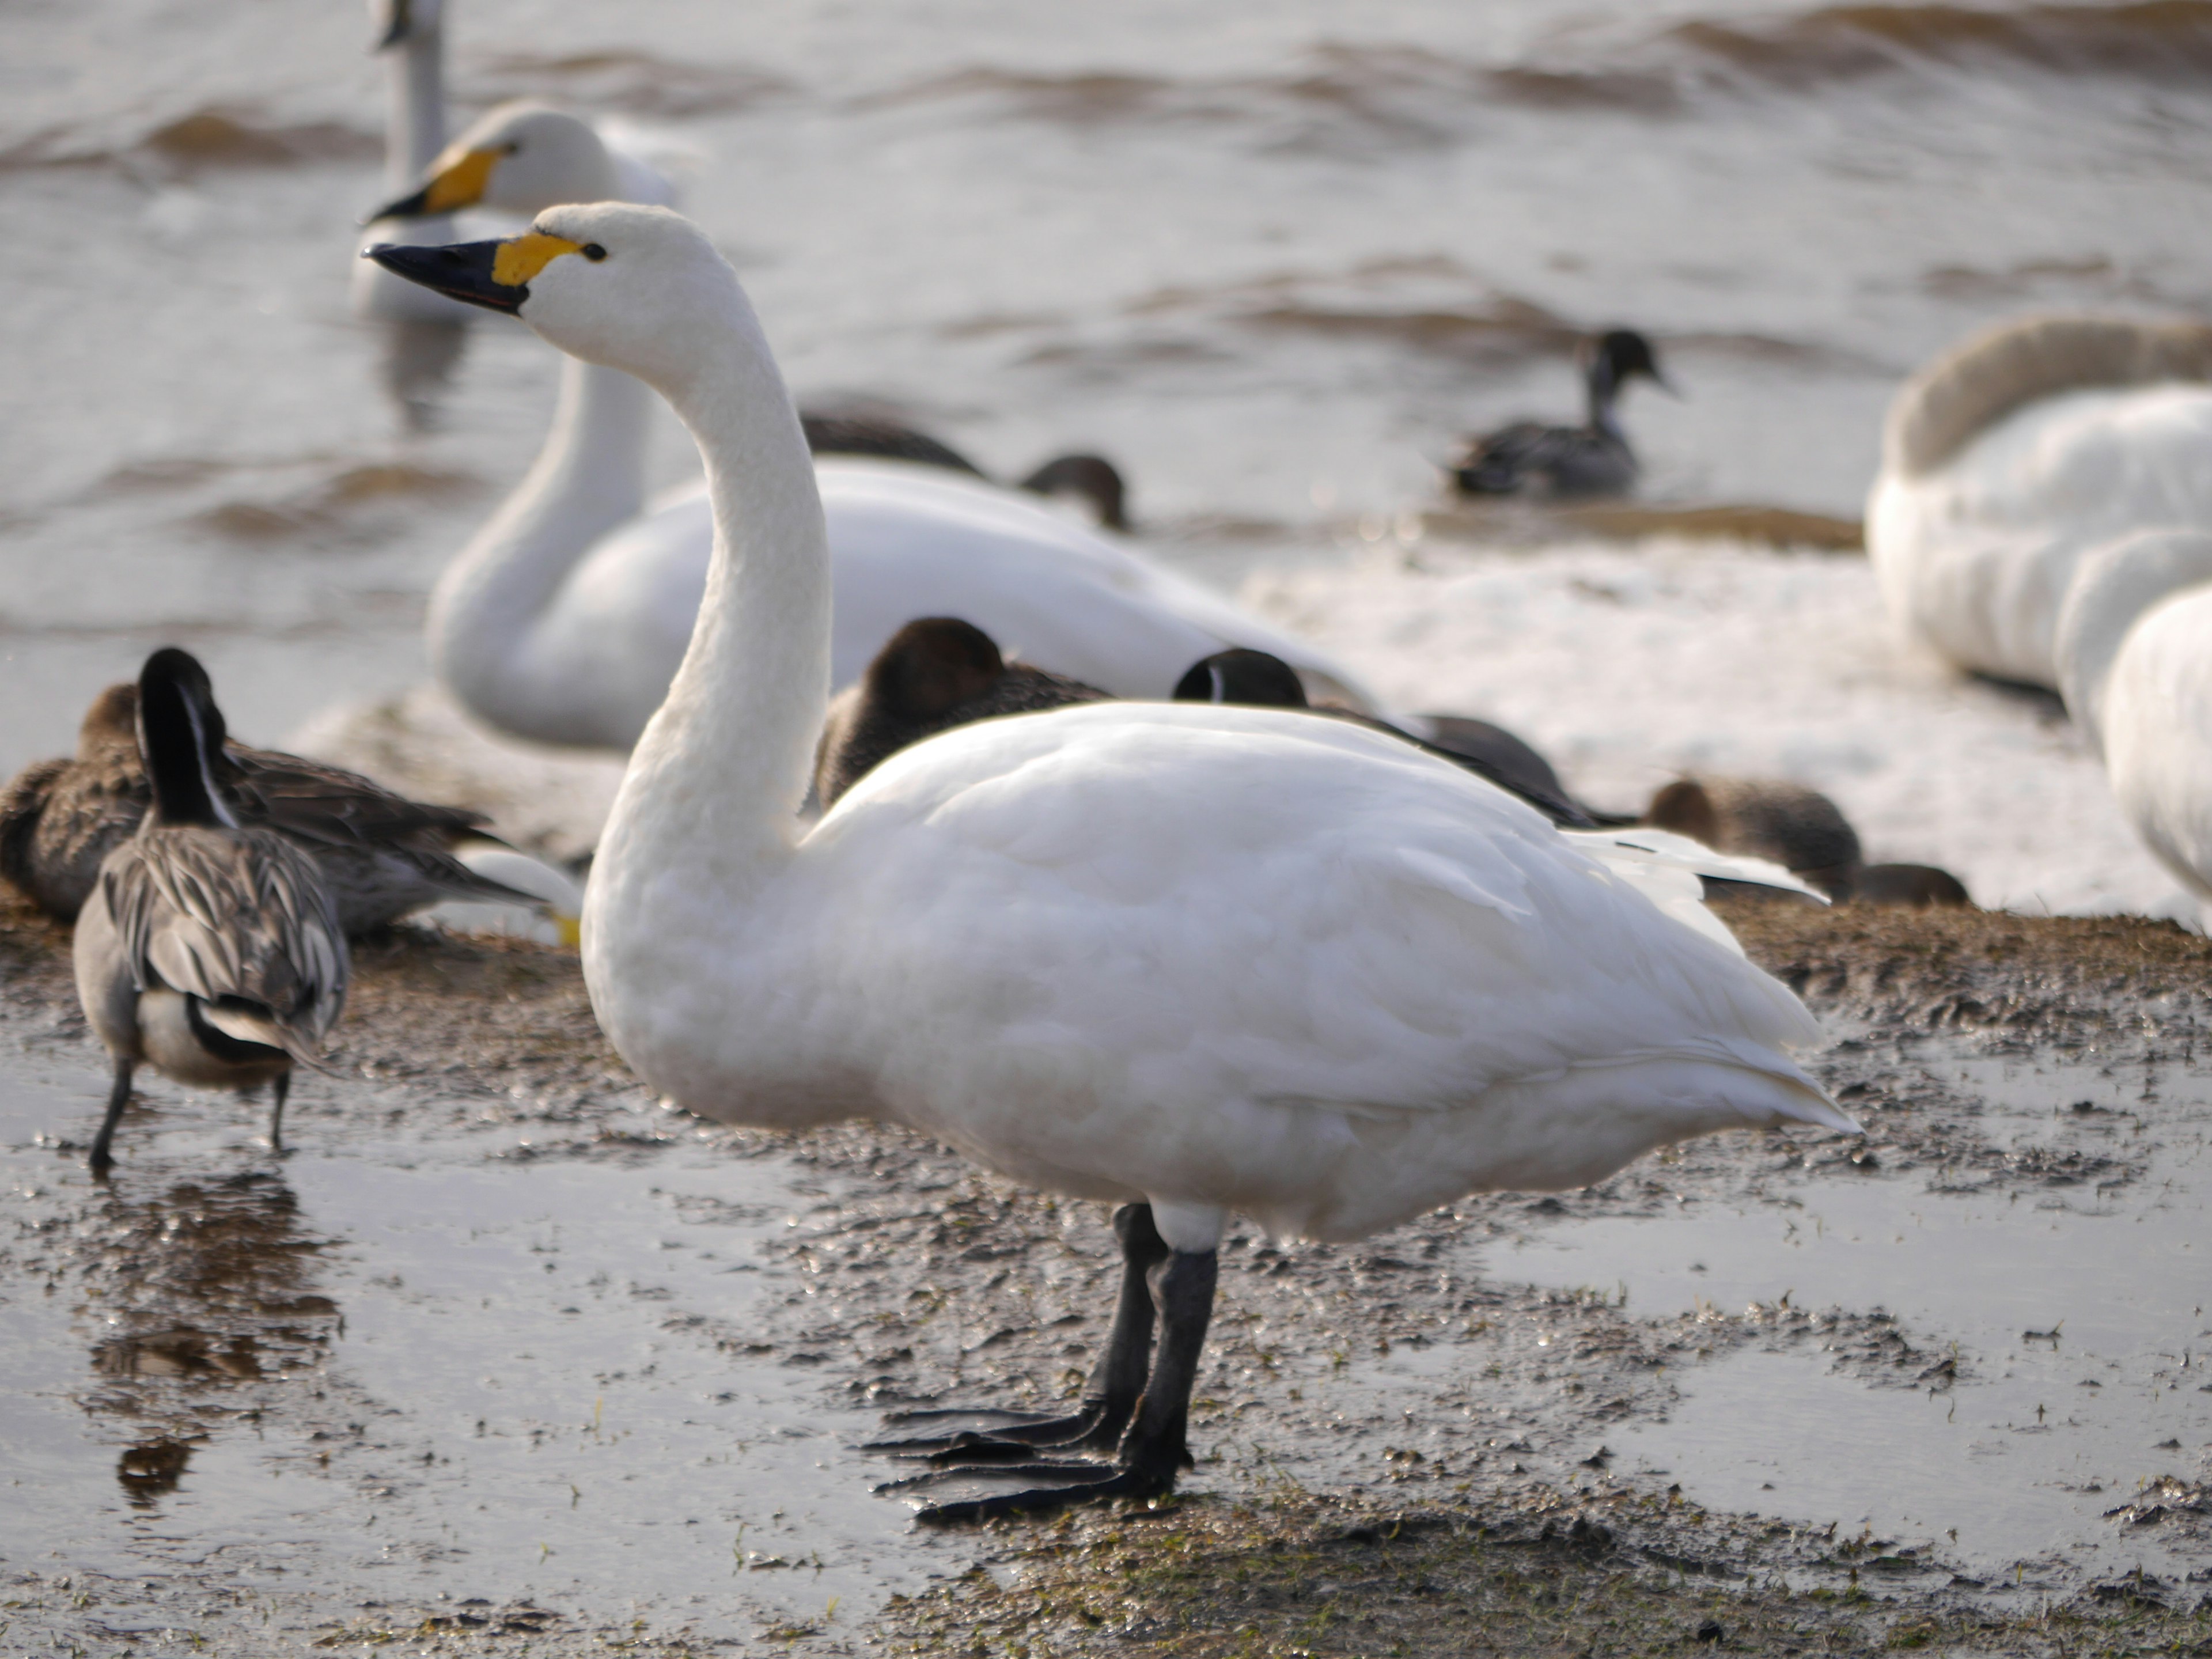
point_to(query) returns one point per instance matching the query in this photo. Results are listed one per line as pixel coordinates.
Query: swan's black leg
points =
(1109, 1398)
(1154, 1450)
(117, 1098)
(277, 1091)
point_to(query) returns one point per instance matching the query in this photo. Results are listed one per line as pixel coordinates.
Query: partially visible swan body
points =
(1182, 957)
(2134, 662)
(2008, 458)
(207, 949)
(577, 646)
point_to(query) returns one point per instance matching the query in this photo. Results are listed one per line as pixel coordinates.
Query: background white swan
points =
(564, 619)
(2010, 456)
(411, 33)
(1189, 956)
(2134, 660)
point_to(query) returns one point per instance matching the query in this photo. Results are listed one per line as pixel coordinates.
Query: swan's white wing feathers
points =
(1407, 939)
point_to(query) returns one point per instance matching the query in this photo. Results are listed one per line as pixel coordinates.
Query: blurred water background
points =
(1271, 257)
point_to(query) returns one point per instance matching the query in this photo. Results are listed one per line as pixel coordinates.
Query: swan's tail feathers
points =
(1643, 846)
(1812, 1105)
(1769, 1089)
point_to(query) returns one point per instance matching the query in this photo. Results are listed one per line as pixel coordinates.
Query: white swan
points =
(2012, 455)
(412, 35)
(2135, 661)
(1188, 957)
(563, 620)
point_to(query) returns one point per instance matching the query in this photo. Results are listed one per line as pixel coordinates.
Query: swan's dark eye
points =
(594, 253)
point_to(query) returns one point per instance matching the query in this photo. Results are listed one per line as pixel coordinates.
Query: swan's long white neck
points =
(708, 813)
(589, 478)
(414, 123)
(2113, 584)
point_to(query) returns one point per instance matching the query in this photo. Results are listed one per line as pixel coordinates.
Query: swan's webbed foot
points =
(978, 1436)
(1060, 1487)
(1149, 1455)
(999, 1437)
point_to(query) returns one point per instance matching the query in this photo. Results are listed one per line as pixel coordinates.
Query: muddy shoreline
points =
(1355, 1493)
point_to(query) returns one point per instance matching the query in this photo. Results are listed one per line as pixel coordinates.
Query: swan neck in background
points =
(588, 478)
(414, 131)
(2113, 587)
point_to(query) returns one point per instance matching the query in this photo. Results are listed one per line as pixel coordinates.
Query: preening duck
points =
(935, 673)
(2134, 652)
(2012, 456)
(207, 949)
(565, 616)
(1801, 830)
(1593, 458)
(1180, 957)
(381, 855)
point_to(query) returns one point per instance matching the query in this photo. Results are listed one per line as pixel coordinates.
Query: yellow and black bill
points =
(458, 184)
(494, 275)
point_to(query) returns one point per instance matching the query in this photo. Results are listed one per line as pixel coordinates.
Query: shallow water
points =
(1272, 258)
(2077, 1312)
(401, 1368)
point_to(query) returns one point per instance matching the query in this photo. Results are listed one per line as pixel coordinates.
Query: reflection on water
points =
(418, 363)
(151, 1468)
(192, 1288)
(2061, 1290)
(544, 1382)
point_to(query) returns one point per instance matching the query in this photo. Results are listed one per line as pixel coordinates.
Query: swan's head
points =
(633, 288)
(520, 158)
(396, 20)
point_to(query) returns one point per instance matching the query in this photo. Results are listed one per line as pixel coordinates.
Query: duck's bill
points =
(468, 271)
(458, 184)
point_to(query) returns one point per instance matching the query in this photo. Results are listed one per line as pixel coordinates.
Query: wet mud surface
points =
(503, 1354)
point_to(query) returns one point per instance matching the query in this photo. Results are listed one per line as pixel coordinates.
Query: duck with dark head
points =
(1530, 458)
(935, 673)
(938, 672)
(207, 950)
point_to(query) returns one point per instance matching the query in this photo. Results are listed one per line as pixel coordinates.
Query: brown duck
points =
(381, 855)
